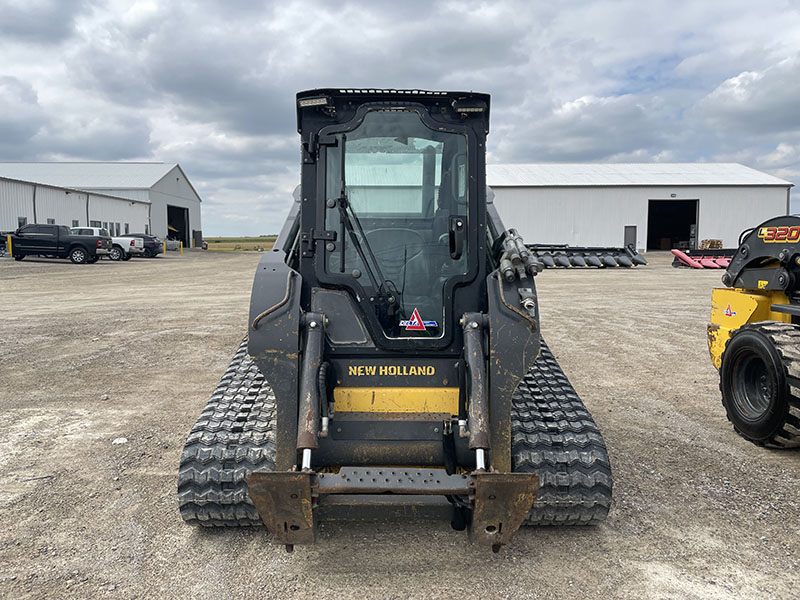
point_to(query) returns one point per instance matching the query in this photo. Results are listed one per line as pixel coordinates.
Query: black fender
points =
(274, 344)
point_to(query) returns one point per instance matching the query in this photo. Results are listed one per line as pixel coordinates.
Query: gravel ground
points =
(104, 368)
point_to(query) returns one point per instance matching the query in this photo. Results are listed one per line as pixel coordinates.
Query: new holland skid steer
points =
(394, 365)
(754, 334)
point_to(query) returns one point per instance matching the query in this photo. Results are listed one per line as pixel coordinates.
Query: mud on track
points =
(93, 353)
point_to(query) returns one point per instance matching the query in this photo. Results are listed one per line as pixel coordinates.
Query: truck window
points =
(104, 233)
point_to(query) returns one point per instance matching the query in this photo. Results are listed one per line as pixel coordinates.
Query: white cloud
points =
(211, 85)
(756, 102)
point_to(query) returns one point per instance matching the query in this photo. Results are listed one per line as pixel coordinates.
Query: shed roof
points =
(66, 189)
(627, 174)
(89, 175)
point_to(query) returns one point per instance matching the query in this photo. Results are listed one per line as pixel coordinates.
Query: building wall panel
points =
(597, 216)
(16, 200)
(140, 195)
(62, 206)
(726, 212)
(109, 210)
(574, 216)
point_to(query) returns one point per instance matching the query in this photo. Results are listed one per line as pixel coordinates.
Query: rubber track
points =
(234, 435)
(553, 435)
(786, 339)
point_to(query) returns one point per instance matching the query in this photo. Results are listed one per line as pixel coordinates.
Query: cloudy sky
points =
(211, 85)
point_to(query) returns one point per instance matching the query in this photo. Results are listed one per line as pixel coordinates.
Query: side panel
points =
(58, 206)
(16, 201)
(596, 215)
(733, 308)
(514, 343)
(135, 214)
(274, 344)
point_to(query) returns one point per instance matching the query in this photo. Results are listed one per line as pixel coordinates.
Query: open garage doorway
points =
(671, 224)
(178, 224)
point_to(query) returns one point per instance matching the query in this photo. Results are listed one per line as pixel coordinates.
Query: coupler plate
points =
(285, 500)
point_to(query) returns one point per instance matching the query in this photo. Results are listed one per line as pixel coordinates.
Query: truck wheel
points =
(148, 253)
(19, 256)
(77, 255)
(93, 260)
(127, 256)
(756, 386)
(116, 253)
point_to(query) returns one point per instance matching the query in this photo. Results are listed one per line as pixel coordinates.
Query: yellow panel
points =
(397, 399)
(732, 307)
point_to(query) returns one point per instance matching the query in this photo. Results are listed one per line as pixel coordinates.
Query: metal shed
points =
(172, 202)
(652, 205)
(24, 202)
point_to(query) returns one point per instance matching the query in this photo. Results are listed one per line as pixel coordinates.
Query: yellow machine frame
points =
(732, 308)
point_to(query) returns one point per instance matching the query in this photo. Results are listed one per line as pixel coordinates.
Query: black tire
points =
(760, 383)
(78, 255)
(93, 260)
(148, 253)
(19, 256)
(116, 253)
(126, 256)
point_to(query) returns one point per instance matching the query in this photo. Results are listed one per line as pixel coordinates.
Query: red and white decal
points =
(415, 323)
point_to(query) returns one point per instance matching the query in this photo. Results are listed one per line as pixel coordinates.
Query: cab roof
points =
(455, 105)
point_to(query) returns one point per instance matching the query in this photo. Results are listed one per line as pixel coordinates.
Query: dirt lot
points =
(93, 353)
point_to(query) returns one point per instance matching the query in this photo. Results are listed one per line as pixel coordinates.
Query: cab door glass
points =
(399, 208)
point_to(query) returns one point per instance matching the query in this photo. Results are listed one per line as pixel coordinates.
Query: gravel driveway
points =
(104, 368)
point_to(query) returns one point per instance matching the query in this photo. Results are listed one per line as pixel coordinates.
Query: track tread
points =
(554, 435)
(234, 436)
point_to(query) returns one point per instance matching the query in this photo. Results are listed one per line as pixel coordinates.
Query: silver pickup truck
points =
(122, 247)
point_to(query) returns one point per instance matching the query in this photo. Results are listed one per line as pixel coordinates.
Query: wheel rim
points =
(753, 387)
(78, 254)
(115, 254)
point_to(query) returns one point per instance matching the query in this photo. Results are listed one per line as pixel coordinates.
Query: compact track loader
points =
(394, 365)
(754, 334)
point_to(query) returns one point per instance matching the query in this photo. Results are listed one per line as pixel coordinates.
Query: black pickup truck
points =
(57, 241)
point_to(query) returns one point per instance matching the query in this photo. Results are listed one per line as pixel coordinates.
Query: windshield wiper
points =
(386, 290)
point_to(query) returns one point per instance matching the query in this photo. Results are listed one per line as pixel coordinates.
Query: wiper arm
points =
(373, 270)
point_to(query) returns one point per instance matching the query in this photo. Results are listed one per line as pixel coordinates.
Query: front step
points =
(285, 500)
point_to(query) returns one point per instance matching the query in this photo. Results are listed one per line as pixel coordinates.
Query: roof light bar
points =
(317, 101)
(464, 106)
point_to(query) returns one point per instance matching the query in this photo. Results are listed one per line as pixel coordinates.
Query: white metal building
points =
(172, 203)
(24, 202)
(654, 206)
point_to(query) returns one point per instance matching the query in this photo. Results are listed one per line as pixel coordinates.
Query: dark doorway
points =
(671, 224)
(178, 224)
